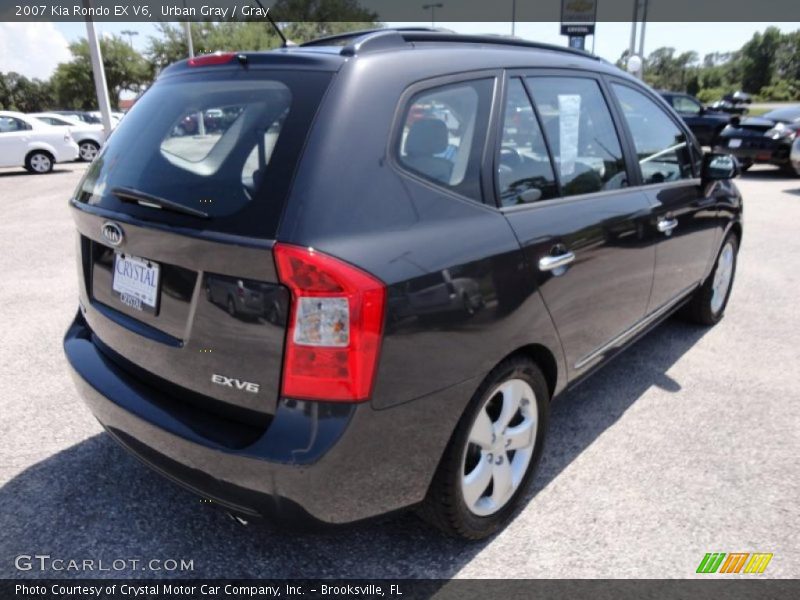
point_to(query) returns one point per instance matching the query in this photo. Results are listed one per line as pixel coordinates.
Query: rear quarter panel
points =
(350, 201)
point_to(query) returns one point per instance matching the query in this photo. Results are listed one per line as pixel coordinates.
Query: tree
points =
(17, 92)
(787, 57)
(73, 82)
(664, 70)
(758, 60)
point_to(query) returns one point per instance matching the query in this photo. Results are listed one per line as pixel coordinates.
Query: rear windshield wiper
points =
(131, 195)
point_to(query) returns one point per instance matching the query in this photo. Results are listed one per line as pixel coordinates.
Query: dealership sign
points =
(578, 17)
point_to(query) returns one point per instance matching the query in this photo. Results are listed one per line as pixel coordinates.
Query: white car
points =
(116, 117)
(89, 137)
(30, 143)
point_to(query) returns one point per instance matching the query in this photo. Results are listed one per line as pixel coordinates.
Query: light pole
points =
(130, 33)
(513, 15)
(99, 73)
(641, 36)
(639, 10)
(432, 8)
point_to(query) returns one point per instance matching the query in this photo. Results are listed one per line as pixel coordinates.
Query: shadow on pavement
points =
(94, 501)
(769, 173)
(23, 173)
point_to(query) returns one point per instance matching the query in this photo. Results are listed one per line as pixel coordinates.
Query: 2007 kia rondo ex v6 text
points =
(360, 288)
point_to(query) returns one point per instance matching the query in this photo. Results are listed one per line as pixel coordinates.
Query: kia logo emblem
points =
(113, 233)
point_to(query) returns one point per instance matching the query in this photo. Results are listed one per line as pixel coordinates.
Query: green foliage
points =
(758, 59)
(664, 70)
(784, 90)
(708, 95)
(73, 81)
(19, 93)
(768, 65)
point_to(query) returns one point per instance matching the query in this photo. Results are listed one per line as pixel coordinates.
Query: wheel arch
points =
(544, 359)
(41, 148)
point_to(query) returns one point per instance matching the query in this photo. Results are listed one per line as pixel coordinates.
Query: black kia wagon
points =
(328, 282)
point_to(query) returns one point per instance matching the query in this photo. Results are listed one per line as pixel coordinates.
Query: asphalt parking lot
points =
(687, 444)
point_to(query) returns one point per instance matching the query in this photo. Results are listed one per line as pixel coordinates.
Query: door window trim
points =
(499, 131)
(634, 176)
(669, 113)
(398, 122)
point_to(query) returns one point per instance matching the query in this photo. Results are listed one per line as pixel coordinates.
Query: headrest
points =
(427, 137)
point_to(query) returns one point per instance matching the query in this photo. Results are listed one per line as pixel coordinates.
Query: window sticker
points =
(569, 111)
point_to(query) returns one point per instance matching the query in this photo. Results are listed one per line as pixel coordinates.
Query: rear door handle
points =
(666, 226)
(549, 263)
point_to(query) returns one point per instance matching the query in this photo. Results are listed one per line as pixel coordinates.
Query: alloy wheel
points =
(88, 151)
(722, 278)
(41, 163)
(500, 447)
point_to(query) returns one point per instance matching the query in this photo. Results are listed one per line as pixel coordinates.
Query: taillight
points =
(335, 326)
(218, 58)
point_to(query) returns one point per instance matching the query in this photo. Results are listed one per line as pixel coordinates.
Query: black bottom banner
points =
(402, 589)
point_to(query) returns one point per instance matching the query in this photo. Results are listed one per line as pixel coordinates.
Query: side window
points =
(581, 133)
(524, 172)
(10, 124)
(661, 146)
(685, 105)
(443, 134)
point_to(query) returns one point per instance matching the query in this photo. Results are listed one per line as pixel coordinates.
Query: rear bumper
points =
(68, 152)
(774, 153)
(316, 463)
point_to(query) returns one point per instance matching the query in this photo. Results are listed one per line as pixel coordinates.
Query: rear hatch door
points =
(177, 218)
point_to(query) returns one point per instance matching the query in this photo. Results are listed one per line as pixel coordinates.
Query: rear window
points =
(213, 151)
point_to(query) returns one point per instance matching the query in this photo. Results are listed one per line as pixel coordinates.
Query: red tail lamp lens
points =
(335, 326)
(218, 58)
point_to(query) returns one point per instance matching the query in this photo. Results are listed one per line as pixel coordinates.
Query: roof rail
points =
(355, 42)
(341, 39)
(504, 40)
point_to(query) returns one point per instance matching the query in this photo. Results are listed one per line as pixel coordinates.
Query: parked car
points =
(365, 395)
(89, 137)
(736, 103)
(82, 115)
(705, 123)
(116, 117)
(768, 139)
(33, 144)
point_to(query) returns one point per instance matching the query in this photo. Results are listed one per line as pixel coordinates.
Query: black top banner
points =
(392, 10)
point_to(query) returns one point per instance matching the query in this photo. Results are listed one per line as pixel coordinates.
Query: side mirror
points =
(719, 166)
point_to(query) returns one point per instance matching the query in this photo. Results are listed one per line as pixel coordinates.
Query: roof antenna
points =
(286, 43)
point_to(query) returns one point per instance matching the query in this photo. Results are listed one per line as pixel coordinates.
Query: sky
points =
(35, 49)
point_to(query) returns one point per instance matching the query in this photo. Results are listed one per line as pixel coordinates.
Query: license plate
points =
(135, 282)
(734, 143)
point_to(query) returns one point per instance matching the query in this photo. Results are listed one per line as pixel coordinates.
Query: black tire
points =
(744, 165)
(84, 150)
(37, 158)
(444, 506)
(231, 306)
(700, 309)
